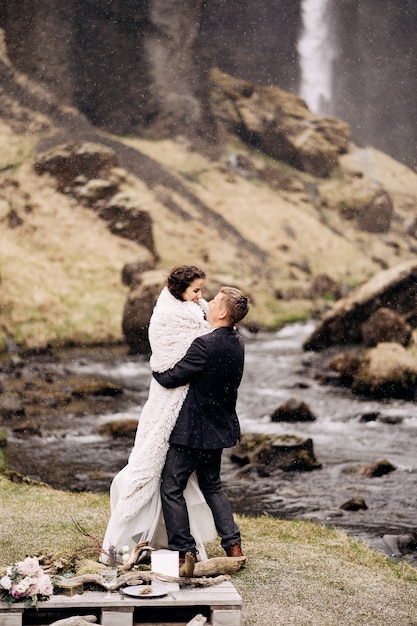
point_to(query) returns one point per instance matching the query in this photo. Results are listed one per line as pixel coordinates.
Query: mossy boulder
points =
(286, 452)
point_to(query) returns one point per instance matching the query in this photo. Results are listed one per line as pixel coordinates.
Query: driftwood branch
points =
(134, 578)
(137, 578)
(219, 565)
(140, 554)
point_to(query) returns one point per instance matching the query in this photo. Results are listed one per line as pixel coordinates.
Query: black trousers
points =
(180, 463)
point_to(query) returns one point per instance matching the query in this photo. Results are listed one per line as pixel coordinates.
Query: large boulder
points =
(138, 309)
(279, 123)
(361, 200)
(376, 216)
(386, 325)
(387, 371)
(395, 289)
(290, 453)
(293, 410)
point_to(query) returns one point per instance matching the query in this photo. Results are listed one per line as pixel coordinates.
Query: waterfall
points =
(316, 53)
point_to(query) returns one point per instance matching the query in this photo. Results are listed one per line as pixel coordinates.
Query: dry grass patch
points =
(297, 572)
(14, 148)
(61, 271)
(303, 573)
(39, 520)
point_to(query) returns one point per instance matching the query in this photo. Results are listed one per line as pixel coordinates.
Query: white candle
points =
(165, 562)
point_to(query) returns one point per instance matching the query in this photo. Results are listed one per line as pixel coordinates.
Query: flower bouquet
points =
(26, 582)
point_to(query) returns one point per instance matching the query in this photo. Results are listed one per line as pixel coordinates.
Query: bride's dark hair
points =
(181, 277)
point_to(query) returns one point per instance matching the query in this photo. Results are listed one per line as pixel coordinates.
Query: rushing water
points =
(276, 370)
(72, 455)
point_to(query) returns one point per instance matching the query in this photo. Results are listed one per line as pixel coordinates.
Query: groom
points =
(207, 423)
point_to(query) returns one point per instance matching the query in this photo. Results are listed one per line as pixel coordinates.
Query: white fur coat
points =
(173, 326)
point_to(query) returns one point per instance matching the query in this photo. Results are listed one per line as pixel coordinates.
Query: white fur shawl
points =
(173, 326)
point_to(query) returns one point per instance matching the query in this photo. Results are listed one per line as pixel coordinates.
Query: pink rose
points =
(16, 592)
(45, 586)
(34, 588)
(29, 567)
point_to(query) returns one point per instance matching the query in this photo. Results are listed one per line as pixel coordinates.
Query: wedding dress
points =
(135, 503)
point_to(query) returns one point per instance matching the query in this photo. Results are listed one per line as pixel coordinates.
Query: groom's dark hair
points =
(236, 304)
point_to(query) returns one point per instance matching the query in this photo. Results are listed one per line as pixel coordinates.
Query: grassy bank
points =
(297, 572)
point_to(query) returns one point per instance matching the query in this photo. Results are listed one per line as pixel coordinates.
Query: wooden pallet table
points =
(221, 604)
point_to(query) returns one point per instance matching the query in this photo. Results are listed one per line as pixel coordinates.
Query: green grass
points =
(297, 572)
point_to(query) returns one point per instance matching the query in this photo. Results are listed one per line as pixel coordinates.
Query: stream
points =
(70, 454)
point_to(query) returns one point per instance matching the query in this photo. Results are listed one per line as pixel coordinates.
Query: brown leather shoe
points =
(235, 550)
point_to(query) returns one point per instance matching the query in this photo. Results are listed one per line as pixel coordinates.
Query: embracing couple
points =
(170, 492)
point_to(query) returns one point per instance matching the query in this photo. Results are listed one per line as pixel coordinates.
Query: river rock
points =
(395, 289)
(346, 364)
(27, 428)
(371, 416)
(386, 325)
(279, 123)
(293, 410)
(3, 455)
(392, 419)
(286, 452)
(125, 428)
(379, 468)
(354, 504)
(11, 405)
(387, 371)
(253, 470)
(400, 544)
(93, 387)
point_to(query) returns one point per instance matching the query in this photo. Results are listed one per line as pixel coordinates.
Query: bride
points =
(178, 318)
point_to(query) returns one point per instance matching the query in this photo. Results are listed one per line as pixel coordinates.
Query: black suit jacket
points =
(213, 366)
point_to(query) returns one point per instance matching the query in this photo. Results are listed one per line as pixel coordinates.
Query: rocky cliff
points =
(140, 67)
(129, 66)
